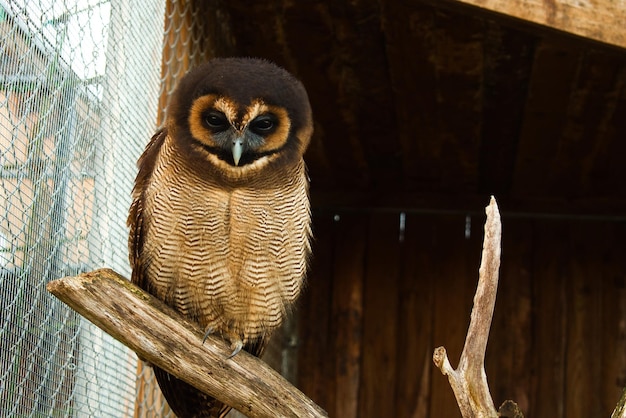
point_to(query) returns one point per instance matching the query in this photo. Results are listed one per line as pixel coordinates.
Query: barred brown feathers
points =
(220, 222)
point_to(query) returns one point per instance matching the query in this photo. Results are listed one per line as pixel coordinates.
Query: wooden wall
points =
(377, 305)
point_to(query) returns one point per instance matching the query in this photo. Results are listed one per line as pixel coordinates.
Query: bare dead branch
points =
(162, 337)
(469, 381)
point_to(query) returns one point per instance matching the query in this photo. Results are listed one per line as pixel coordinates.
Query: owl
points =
(220, 220)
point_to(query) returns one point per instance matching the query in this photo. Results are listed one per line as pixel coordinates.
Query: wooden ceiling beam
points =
(599, 20)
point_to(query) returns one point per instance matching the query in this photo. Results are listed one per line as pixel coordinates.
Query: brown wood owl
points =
(220, 221)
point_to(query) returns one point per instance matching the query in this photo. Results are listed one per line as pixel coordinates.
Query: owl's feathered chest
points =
(233, 258)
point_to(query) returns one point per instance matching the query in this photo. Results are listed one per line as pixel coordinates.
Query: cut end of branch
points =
(440, 358)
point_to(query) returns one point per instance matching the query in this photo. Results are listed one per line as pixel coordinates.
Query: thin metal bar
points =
(586, 217)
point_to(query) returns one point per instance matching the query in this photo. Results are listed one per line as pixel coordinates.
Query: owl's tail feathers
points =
(186, 401)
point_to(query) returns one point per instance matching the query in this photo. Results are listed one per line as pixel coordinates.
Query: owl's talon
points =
(237, 348)
(208, 332)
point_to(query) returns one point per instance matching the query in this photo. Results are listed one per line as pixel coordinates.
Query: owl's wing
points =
(136, 214)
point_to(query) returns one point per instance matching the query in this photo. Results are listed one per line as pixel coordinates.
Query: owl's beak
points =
(237, 150)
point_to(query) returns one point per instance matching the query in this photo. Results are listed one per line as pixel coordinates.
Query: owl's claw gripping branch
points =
(236, 346)
(207, 332)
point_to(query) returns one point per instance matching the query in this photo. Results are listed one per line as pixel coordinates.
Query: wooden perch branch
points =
(162, 337)
(469, 381)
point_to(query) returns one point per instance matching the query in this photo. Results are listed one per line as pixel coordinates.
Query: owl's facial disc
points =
(238, 135)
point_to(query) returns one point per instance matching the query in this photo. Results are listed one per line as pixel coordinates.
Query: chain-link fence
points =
(79, 90)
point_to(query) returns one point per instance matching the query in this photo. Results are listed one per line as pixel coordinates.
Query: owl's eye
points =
(263, 125)
(216, 121)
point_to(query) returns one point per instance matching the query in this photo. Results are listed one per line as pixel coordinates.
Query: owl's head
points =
(240, 114)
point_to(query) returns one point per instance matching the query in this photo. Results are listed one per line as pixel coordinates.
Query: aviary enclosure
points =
(423, 110)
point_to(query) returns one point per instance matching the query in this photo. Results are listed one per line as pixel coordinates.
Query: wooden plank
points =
(549, 277)
(596, 356)
(347, 311)
(510, 345)
(599, 20)
(313, 310)
(584, 321)
(456, 261)
(415, 345)
(613, 355)
(380, 314)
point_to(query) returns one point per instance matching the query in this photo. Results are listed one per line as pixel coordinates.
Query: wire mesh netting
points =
(79, 89)
(83, 86)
